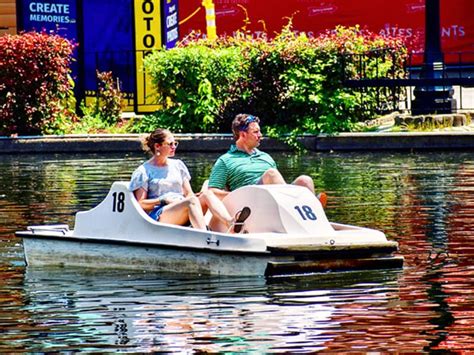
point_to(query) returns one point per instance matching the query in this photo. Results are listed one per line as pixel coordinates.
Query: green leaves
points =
(206, 106)
(292, 82)
(35, 83)
(105, 110)
(194, 82)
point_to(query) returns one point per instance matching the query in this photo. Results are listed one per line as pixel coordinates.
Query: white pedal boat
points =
(286, 233)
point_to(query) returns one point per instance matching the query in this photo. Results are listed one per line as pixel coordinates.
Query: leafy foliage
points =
(35, 85)
(192, 84)
(293, 82)
(108, 104)
(104, 113)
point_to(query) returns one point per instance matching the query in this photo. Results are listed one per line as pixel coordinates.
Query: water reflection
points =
(424, 201)
(157, 312)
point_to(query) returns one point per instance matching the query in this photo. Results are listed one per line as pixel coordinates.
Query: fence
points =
(456, 78)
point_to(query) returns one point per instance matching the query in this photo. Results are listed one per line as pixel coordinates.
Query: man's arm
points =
(219, 192)
(218, 179)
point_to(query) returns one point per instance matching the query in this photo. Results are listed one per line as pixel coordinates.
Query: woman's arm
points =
(146, 203)
(187, 189)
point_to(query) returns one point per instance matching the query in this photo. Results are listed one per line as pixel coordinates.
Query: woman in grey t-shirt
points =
(161, 184)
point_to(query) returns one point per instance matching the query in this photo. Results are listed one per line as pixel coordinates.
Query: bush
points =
(292, 82)
(192, 84)
(107, 106)
(35, 85)
(103, 114)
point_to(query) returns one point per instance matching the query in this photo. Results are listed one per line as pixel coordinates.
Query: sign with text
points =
(170, 23)
(52, 15)
(147, 38)
(264, 18)
(113, 35)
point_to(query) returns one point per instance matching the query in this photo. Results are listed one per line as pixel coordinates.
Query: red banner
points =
(400, 17)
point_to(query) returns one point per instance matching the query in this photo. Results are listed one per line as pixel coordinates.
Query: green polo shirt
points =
(236, 168)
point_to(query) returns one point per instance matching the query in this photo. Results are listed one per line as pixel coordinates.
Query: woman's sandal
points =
(239, 219)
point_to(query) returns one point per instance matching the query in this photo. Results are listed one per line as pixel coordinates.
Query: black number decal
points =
(306, 212)
(118, 203)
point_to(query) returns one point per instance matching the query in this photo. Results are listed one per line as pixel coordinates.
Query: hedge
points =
(292, 82)
(34, 82)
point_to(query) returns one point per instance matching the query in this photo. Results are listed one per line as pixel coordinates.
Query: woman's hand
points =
(147, 204)
(171, 199)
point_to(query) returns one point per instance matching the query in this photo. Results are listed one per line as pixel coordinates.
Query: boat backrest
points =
(117, 214)
(120, 217)
(279, 209)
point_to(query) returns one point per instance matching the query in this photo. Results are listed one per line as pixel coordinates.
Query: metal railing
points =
(457, 75)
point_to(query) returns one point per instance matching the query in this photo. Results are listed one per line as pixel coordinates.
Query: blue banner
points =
(59, 16)
(108, 42)
(170, 23)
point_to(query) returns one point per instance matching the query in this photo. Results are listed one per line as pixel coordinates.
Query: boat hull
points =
(133, 256)
(52, 250)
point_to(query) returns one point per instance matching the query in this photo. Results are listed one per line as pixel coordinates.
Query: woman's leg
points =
(181, 211)
(221, 220)
(202, 200)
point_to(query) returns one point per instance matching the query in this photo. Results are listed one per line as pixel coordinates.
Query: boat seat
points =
(279, 209)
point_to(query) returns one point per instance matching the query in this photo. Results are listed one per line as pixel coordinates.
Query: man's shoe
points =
(239, 220)
(323, 199)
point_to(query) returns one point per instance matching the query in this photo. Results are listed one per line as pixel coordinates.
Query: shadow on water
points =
(423, 201)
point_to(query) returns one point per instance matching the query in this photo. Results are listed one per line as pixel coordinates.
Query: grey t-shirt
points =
(161, 181)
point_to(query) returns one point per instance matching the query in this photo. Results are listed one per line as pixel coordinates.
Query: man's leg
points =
(272, 176)
(305, 181)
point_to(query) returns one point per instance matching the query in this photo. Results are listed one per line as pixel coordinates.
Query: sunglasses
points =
(247, 122)
(171, 144)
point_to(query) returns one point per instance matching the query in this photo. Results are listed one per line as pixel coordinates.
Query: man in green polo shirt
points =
(244, 164)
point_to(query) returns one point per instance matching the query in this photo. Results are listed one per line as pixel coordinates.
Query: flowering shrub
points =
(294, 83)
(34, 82)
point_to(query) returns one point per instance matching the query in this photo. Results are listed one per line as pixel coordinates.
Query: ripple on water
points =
(423, 201)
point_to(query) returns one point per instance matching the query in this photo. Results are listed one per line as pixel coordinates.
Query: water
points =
(423, 201)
